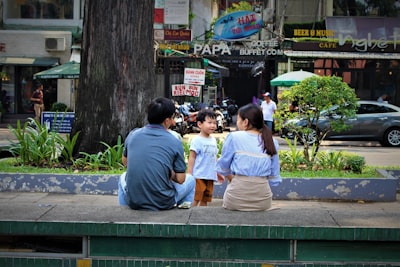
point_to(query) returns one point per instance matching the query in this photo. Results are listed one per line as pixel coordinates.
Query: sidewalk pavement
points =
(16, 206)
(5, 137)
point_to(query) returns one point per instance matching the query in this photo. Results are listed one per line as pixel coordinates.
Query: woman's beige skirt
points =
(247, 193)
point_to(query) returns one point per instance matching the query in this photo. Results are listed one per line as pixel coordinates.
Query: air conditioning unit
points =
(55, 43)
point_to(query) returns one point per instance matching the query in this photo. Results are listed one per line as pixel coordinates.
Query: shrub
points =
(354, 163)
(333, 160)
(59, 107)
(293, 158)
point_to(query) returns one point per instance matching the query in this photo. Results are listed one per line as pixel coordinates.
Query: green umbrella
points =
(69, 70)
(290, 78)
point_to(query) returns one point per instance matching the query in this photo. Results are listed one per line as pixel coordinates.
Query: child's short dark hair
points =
(202, 114)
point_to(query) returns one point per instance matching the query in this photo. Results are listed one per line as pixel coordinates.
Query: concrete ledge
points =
(393, 174)
(352, 189)
(60, 183)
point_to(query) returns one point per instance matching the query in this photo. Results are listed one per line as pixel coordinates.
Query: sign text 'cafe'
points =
(358, 44)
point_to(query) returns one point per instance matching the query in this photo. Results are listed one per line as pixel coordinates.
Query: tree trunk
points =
(117, 78)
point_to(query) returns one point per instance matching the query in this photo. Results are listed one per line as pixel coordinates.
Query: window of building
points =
(40, 9)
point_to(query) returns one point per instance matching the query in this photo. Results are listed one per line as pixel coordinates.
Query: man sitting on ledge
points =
(155, 178)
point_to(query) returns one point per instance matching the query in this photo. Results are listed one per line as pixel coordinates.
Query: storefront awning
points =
(223, 70)
(344, 55)
(69, 70)
(29, 61)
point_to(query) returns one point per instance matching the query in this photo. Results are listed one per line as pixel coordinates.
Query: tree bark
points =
(117, 78)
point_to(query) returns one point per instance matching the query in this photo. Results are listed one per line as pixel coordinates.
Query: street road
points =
(373, 152)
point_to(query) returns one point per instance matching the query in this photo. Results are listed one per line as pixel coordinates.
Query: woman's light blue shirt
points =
(242, 154)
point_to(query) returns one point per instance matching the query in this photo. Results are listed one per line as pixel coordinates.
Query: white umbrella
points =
(291, 78)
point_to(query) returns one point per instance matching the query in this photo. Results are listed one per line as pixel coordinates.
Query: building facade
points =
(37, 35)
(34, 36)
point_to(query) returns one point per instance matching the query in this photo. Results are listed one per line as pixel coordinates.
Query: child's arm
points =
(192, 158)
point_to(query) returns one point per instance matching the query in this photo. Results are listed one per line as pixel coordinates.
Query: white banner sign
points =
(176, 12)
(186, 89)
(194, 76)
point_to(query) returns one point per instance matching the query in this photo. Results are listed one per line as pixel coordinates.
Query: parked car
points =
(374, 121)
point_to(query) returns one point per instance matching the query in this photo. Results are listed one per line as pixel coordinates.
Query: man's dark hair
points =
(159, 109)
(204, 113)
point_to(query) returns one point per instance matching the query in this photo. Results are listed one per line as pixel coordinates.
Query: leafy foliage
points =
(294, 160)
(316, 96)
(355, 163)
(36, 145)
(59, 107)
(40, 147)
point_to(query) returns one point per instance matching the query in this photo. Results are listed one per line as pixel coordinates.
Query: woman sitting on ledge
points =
(250, 162)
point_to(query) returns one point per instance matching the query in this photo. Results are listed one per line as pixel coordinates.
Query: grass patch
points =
(10, 165)
(367, 172)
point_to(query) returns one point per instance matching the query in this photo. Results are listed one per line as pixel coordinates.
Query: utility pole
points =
(282, 20)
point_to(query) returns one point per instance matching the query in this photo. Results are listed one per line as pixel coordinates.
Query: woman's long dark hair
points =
(254, 115)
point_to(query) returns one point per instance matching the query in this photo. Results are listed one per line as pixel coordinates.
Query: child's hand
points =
(221, 178)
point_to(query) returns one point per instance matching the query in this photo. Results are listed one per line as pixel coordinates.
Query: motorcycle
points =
(221, 122)
(189, 118)
(180, 123)
(229, 109)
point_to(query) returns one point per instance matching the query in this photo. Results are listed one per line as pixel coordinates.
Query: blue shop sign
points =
(60, 122)
(237, 25)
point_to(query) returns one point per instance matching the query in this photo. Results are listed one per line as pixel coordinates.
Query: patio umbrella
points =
(69, 70)
(291, 78)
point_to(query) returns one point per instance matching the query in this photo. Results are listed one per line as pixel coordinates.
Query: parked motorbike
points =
(229, 109)
(180, 123)
(189, 118)
(221, 122)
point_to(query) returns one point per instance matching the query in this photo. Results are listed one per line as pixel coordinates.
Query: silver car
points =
(374, 121)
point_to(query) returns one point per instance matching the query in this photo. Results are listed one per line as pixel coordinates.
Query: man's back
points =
(152, 154)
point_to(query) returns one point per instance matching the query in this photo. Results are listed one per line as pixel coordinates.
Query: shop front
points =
(238, 63)
(366, 54)
(252, 64)
(24, 53)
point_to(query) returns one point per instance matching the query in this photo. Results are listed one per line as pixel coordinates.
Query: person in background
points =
(250, 162)
(203, 157)
(5, 102)
(155, 178)
(294, 106)
(268, 107)
(38, 103)
(383, 98)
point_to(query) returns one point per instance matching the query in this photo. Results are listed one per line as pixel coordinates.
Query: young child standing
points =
(203, 157)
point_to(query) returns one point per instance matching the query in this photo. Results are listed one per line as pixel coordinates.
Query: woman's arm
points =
(225, 160)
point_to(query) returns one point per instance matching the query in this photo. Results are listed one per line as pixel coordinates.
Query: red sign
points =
(159, 15)
(186, 89)
(2, 47)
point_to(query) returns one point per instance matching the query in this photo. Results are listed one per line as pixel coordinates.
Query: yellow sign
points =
(84, 263)
(180, 47)
(313, 33)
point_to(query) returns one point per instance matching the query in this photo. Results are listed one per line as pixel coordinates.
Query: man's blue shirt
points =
(152, 154)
